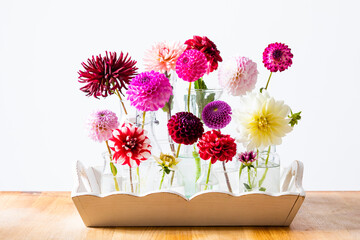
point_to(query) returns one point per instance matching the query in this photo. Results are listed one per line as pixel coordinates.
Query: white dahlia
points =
(262, 121)
(238, 75)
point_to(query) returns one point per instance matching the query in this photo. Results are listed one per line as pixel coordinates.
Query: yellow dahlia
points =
(262, 121)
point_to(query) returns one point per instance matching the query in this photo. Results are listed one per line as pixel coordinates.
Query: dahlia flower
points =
(262, 120)
(101, 124)
(238, 75)
(191, 65)
(167, 161)
(162, 56)
(149, 91)
(216, 115)
(216, 146)
(208, 47)
(130, 144)
(104, 75)
(185, 128)
(247, 158)
(277, 57)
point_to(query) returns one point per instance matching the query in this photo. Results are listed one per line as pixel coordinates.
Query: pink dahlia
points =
(208, 47)
(216, 114)
(162, 56)
(149, 91)
(101, 124)
(216, 146)
(191, 65)
(238, 75)
(104, 75)
(185, 128)
(130, 144)
(277, 57)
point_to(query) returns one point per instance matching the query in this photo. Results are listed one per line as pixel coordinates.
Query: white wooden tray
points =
(167, 208)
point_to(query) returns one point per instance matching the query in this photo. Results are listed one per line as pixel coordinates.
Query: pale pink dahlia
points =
(130, 144)
(149, 91)
(238, 75)
(277, 57)
(191, 65)
(101, 124)
(162, 56)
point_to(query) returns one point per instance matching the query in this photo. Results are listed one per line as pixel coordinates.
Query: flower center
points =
(277, 54)
(130, 143)
(144, 79)
(185, 60)
(263, 123)
(215, 109)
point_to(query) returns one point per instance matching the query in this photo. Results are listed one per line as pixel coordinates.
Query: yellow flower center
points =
(263, 123)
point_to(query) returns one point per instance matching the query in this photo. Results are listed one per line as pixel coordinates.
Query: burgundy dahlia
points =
(216, 114)
(247, 158)
(216, 146)
(104, 75)
(277, 57)
(208, 47)
(185, 128)
(191, 65)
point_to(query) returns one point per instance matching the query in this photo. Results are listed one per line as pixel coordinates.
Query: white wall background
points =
(42, 110)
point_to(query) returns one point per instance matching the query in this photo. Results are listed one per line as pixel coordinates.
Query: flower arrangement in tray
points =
(196, 155)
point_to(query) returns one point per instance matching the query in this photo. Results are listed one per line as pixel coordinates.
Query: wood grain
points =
(52, 215)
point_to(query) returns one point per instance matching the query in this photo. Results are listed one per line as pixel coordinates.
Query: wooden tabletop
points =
(52, 215)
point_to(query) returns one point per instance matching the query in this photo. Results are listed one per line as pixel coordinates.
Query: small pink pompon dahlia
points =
(130, 144)
(277, 57)
(149, 91)
(101, 124)
(162, 56)
(102, 76)
(191, 65)
(238, 75)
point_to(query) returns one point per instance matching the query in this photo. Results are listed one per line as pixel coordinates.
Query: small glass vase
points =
(268, 170)
(109, 182)
(207, 181)
(130, 179)
(228, 178)
(171, 181)
(248, 179)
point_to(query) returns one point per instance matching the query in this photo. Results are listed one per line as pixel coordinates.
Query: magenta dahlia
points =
(216, 146)
(216, 114)
(104, 75)
(101, 124)
(247, 158)
(191, 65)
(208, 47)
(185, 128)
(277, 57)
(149, 91)
(130, 144)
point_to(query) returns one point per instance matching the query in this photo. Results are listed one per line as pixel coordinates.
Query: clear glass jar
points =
(208, 179)
(268, 170)
(228, 178)
(248, 179)
(109, 181)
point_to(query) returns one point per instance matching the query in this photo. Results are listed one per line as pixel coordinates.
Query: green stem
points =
(266, 170)
(197, 163)
(241, 168)
(250, 185)
(267, 84)
(143, 120)
(162, 179)
(122, 103)
(138, 175)
(227, 177)
(178, 151)
(208, 175)
(188, 100)
(172, 178)
(113, 168)
(131, 181)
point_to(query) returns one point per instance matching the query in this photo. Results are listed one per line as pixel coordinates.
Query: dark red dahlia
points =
(104, 75)
(185, 128)
(208, 47)
(216, 146)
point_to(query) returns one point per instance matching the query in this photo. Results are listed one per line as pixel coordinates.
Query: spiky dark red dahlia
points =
(130, 144)
(216, 146)
(103, 75)
(277, 57)
(216, 114)
(185, 128)
(247, 158)
(208, 47)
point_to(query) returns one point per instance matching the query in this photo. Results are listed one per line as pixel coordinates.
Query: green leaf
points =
(295, 118)
(261, 89)
(247, 186)
(243, 166)
(113, 169)
(262, 189)
(167, 170)
(166, 107)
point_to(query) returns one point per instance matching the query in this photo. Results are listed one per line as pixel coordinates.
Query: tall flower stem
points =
(172, 178)
(249, 178)
(197, 163)
(162, 179)
(208, 176)
(266, 170)
(122, 103)
(169, 104)
(240, 171)
(131, 181)
(267, 84)
(178, 151)
(143, 120)
(188, 100)
(138, 175)
(227, 177)
(112, 167)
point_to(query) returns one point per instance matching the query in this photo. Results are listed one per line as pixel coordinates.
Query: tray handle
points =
(293, 176)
